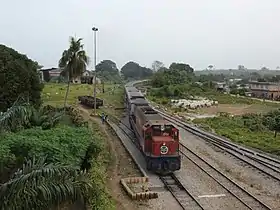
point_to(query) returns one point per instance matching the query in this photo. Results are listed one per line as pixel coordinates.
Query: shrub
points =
(62, 144)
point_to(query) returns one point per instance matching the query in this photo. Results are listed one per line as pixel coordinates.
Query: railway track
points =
(267, 165)
(246, 198)
(185, 199)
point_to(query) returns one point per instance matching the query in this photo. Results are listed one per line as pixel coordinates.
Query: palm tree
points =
(38, 185)
(73, 62)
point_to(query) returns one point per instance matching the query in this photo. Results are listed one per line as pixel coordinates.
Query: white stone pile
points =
(194, 104)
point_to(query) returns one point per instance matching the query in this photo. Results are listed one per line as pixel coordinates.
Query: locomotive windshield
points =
(162, 130)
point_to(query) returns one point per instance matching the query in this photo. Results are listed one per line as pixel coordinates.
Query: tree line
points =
(107, 71)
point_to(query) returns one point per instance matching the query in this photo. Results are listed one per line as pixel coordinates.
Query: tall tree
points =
(210, 67)
(107, 65)
(178, 73)
(107, 70)
(133, 70)
(73, 62)
(156, 65)
(182, 67)
(264, 69)
(241, 67)
(18, 75)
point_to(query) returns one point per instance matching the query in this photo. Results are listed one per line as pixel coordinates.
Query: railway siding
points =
(268, 166)
(256, 172)
(203, 134)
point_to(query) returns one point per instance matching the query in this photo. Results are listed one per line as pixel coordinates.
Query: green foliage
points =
(132, 70)
(272, 121)
(254, 130)
(157, 65)
(179, 90)
(23, 115)
(236, 91)
(62, 144)
(173, 82)
(38, 185)
(100, 196)
(211, 77)
(18, 75)
(182, 67)
(171, 77)
(17, 116)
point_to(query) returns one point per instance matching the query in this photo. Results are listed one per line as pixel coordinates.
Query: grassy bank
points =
(101, 198)
(63, 144)
(54, 93)
(234, 129)
(226, 103)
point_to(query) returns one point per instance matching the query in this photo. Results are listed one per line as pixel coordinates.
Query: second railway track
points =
(246, 198)
(269, 166)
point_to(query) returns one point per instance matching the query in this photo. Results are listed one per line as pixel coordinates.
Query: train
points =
(157, 139)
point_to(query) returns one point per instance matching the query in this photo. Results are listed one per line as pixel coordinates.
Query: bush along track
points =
(69, 142)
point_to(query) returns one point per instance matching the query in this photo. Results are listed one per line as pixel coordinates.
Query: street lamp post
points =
(94, 60)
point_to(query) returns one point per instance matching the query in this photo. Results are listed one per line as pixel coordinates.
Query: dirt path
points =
(121, 166)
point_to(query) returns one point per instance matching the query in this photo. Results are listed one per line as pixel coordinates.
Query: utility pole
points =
(94, 47)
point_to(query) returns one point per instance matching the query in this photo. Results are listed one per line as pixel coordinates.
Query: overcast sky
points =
(224, 33)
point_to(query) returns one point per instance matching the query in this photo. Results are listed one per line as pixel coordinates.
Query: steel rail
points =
(184, 198)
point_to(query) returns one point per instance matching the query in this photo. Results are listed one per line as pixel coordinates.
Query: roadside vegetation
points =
(254, 130)
(45, 139)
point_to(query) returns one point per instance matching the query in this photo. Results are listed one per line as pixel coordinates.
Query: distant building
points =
(267, 90)
(235, 80)
(88, 78)
(222, 86)
(50, 73)
(47, 74)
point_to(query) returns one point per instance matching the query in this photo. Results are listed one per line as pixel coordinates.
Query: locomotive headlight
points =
(162, 128)
(164, 149)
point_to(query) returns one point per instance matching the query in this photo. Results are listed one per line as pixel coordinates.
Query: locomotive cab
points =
(162, 146)
(157, 138)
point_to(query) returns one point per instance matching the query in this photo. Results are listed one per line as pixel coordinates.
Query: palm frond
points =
(64, 59)
(16, 115)
(38, 184)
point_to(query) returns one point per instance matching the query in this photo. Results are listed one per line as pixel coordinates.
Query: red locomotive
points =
(158, 139)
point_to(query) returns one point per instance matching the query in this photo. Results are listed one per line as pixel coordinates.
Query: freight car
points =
(89, 101)
(158, 139)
